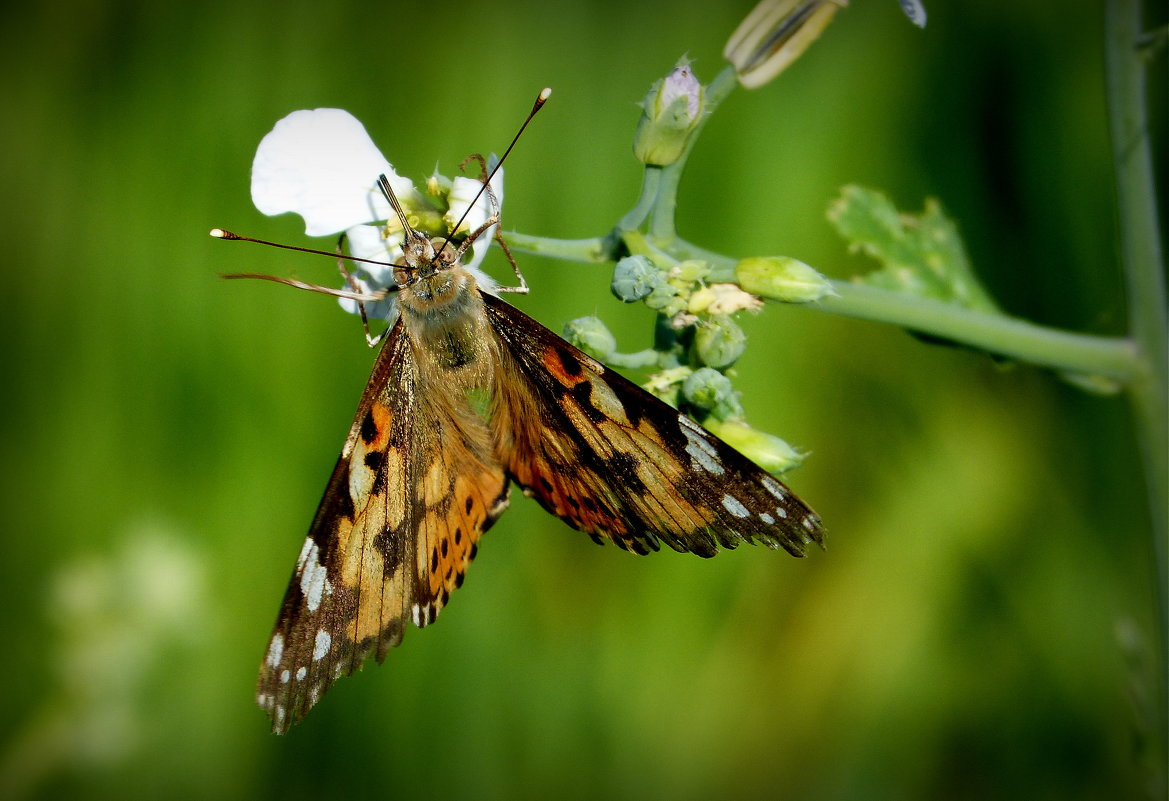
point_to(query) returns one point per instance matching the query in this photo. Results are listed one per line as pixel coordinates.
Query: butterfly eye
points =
(404, 276)
(447, 256)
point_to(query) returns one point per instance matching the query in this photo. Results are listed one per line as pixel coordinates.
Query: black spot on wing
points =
(389, 546)
(374, 460)
(624, 469)
(570, 363)
(368, 428)
(582, 393)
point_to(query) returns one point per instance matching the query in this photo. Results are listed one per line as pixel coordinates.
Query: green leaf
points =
(920, 254)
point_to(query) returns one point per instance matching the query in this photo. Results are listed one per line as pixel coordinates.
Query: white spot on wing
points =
(361, 478)
(781, 512)
(766, 518)
(280, 715)
(321, 647)
(417, 613)
(276, 650)
(304, 552)
(702, 454)
(285, 676)
(301, 672)
(774, 487)
(313, 582)
(733, 506)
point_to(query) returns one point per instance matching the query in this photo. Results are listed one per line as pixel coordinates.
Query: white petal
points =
(322, 165)
(366, 242)
(463, 191)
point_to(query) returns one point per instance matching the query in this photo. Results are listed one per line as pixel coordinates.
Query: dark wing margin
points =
(392, 538)
(615, 462)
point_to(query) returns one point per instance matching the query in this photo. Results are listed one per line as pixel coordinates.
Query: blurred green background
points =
(978, 625)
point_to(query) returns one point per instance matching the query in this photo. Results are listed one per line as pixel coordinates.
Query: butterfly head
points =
(428, 276)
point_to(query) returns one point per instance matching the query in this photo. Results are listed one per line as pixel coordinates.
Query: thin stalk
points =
(645, 203)
(1143, 266)
(995, 333)
(592, 250)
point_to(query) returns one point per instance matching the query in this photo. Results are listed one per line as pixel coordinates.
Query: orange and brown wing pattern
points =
(617, 463)
(400, 521)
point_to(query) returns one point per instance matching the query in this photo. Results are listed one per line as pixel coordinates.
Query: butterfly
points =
(468, 396)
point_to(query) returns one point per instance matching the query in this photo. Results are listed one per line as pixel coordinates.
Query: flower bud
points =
(722, 299)
(690, 271)
(666, 384)
(711, 391)
(634, 278)
(590, 335)
(664, 298)
(766, 450)
(670, 112)
(720, 342)
(774, 35)
(782, 278)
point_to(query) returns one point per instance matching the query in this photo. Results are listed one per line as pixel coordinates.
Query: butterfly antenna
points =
(541, 99)
(367, 297)
(220, 233)
(387, 190)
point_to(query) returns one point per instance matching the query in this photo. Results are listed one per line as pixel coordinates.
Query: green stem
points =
(1143, 265)
(594, 250)
(994, 333)
(642, 358)
(645, 203)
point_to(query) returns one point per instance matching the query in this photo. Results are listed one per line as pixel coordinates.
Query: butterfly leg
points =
(522, 289)
(352, 283)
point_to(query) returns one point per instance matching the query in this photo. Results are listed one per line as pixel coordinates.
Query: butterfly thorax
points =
(443, 317)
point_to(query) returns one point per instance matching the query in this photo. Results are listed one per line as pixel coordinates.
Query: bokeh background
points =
(979, 625)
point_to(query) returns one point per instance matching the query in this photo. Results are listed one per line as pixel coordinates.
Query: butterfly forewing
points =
(613, 461)
(414, 488)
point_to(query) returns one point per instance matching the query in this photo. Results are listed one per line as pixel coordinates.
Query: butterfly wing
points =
(615, 462)
(415, 487)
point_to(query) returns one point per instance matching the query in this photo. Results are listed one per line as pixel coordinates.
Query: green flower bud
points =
(720, 342)
(710, 391)
(662, 296)
(766, 450)
(689, 271)
(782, 278)
(666, 384)
(590, 335)
(634, 278)
(774, 35)
(670, 112)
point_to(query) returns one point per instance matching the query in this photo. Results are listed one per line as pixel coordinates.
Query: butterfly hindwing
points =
(613, 461)
(413, 490)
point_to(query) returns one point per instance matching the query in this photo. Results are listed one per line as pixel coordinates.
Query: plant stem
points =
(645, 203)
(1141, 259)
(592, 250)
(994, 333)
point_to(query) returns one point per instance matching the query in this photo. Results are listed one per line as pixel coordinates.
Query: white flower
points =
(322, 165)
